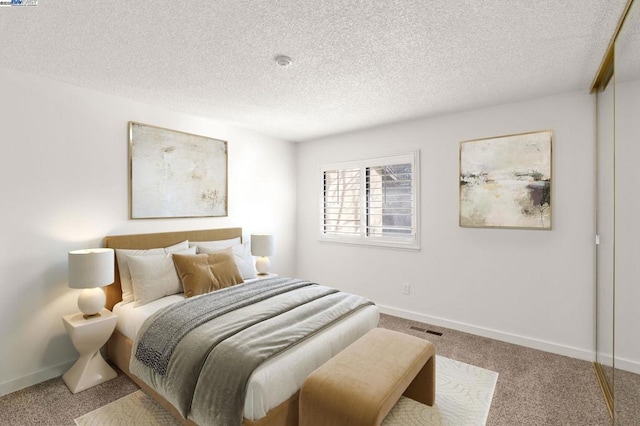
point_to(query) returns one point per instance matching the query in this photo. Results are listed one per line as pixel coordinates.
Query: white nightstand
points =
(265, 276)
(88, 336)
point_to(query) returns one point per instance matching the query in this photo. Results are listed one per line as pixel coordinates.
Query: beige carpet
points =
(463, 398)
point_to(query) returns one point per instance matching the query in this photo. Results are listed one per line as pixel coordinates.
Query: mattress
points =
(277, 379)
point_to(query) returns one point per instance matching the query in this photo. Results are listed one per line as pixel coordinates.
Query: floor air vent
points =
(424, 330)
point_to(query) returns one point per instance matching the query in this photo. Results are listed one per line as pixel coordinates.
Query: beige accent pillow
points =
(154, 276)
(123, 266)
(203, 273)
(242, 256)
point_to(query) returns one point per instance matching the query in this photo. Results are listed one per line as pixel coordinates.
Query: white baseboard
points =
(627, 365)
(621, 363)
(493, 334)
(35, 378)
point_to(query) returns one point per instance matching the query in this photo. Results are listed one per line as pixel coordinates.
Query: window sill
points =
(379, 244)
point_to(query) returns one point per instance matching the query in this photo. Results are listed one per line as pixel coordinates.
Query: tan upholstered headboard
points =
(163, 239)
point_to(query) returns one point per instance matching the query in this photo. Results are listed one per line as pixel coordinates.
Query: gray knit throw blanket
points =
(171, 324)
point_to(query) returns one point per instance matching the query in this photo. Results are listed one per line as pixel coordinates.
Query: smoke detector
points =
(282, 60)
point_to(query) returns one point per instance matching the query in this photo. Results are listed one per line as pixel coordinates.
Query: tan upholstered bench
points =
(361, 384)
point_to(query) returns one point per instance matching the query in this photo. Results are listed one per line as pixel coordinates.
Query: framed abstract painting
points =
(176, 174)
(505, 181)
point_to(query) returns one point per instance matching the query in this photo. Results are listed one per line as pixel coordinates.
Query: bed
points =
(272, 391)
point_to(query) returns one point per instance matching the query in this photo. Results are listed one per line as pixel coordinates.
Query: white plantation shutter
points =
(372, 201)
(341, 200)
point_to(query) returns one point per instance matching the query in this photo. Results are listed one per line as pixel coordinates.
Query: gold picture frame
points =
(506, 181)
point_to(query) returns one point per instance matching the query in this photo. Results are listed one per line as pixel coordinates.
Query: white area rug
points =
(463, 398)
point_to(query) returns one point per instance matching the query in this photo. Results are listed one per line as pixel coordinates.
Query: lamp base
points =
(263, 265)
(91, 301)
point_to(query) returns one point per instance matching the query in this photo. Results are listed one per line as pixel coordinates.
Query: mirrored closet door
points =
(627, 221)
(617, 90)
(605, 240)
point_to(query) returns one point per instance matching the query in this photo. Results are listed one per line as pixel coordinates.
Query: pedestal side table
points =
(88, 336)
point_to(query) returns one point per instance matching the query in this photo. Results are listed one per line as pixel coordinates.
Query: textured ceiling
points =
(356, 63)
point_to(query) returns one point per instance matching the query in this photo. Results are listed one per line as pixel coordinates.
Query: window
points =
(372, 201)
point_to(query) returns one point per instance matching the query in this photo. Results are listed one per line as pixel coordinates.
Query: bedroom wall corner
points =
(64, 181)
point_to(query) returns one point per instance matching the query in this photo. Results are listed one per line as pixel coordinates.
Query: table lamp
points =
(89, 270)
(263, 245)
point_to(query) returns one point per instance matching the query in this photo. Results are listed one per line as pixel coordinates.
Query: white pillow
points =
(155, 276)
(215, 245)
(244, 260)
(123, 267)
(242, 256)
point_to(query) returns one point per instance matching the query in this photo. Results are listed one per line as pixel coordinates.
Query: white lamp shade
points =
(91, 268)
(263, 244)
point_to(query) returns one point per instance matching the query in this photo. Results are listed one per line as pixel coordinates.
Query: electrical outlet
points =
(406, 288)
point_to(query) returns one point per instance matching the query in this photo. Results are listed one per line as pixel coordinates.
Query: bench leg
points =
(423, 387)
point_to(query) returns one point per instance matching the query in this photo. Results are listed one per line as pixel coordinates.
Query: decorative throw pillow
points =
(206, 272)
(123, 267)
(242, 256)
(154, 276)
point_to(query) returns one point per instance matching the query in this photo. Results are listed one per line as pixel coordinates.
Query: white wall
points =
(530, 287)
(64, 186)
